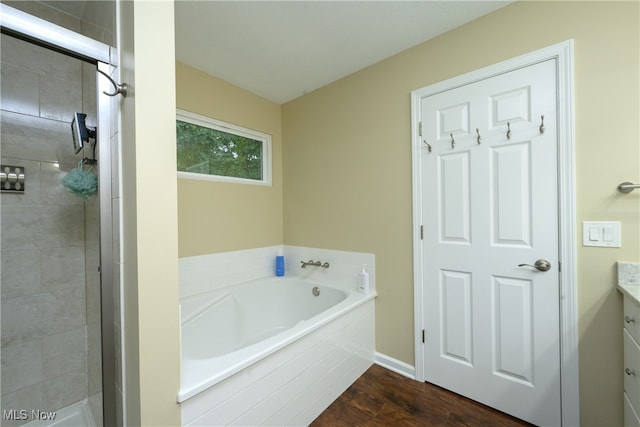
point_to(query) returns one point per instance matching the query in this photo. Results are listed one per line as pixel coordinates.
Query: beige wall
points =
(347, 167)
(218, 216)
(149, 215)
(350, 142)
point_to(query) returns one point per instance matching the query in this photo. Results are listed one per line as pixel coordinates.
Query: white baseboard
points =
(395, 365)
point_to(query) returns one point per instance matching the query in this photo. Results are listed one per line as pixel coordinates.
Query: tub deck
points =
(289, 378)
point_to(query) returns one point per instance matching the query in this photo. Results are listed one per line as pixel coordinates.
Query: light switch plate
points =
(601, 233)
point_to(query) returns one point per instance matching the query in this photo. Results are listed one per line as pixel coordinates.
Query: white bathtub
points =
(228, 330)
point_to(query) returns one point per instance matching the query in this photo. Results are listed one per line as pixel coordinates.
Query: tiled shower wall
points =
(44, 286)
(95, 19)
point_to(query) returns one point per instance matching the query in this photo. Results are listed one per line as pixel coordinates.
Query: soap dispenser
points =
(363, 281)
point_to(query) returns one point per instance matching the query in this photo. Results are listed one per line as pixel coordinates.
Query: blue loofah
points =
(80, 182)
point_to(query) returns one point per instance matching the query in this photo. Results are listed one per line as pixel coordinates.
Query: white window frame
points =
(208, 122)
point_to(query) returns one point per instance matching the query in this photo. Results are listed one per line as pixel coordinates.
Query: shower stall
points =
(59, 336)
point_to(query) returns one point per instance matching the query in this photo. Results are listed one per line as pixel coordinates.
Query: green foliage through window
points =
(209, 151)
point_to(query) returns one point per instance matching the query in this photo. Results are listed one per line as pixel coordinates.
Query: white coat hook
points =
(453, 141)
(120, 88)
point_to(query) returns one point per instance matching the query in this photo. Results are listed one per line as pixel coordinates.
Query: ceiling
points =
(281, 50)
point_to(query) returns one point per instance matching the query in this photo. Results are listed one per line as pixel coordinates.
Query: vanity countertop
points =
(629, 279)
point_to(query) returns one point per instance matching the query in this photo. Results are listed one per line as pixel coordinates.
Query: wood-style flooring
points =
(384, 398)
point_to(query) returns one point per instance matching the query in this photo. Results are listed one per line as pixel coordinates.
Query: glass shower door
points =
(52, 276)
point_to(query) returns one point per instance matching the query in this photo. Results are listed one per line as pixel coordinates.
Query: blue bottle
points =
(280, 265)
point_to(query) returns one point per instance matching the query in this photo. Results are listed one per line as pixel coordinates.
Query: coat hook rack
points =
(627, 187)
(121, 89)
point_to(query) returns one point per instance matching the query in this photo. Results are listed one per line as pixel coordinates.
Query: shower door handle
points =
(541, 265)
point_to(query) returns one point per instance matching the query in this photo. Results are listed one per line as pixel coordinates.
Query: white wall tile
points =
(214, 271)
(34, 138)
(115, 166)
(38, 315)
(27, 397)
(89, 94)
(65, 389)
(62, 268)
(60, 98)
(95, 404)
(263, 392)
(61, 226)
(52, 192)
(40, 60)
(335, 387)
(119, 408)
(118, 355)
(307, 345)
(20, 90)
(44, 228)
(21, 365)
(93, 351)
(64, 352)
(115, 229)
(269, 398)
(117, 294)
(322, 373)
(208, 272)
(23, 318)
(101, 14)
(20, 227)
(343, 270)
(19, 277)
(67, 311)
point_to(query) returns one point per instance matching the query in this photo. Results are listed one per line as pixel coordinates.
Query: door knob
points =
(541, 264)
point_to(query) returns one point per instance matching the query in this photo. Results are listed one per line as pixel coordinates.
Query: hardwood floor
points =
(383, 398)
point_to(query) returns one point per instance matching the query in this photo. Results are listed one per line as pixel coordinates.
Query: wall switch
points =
(601, 233)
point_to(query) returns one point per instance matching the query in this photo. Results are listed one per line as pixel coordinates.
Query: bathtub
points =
(269, 332)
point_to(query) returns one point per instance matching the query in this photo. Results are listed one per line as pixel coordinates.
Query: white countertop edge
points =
(632, 291)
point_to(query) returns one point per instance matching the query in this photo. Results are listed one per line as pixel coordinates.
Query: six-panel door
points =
(489, 182)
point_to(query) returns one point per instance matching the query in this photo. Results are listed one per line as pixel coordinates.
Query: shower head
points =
(81, 133)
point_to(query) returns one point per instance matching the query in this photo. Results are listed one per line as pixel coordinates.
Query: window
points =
(213, 150)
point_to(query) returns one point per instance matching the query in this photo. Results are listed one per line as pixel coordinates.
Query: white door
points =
(490, 205)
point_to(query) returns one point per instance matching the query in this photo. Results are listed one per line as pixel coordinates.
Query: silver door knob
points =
(541, 264)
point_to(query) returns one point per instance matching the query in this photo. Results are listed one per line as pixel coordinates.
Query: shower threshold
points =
(75, 415)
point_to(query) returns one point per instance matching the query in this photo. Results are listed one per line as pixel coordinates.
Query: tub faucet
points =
(314, 263)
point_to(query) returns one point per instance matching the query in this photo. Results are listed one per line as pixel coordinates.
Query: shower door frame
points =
(51, 36)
